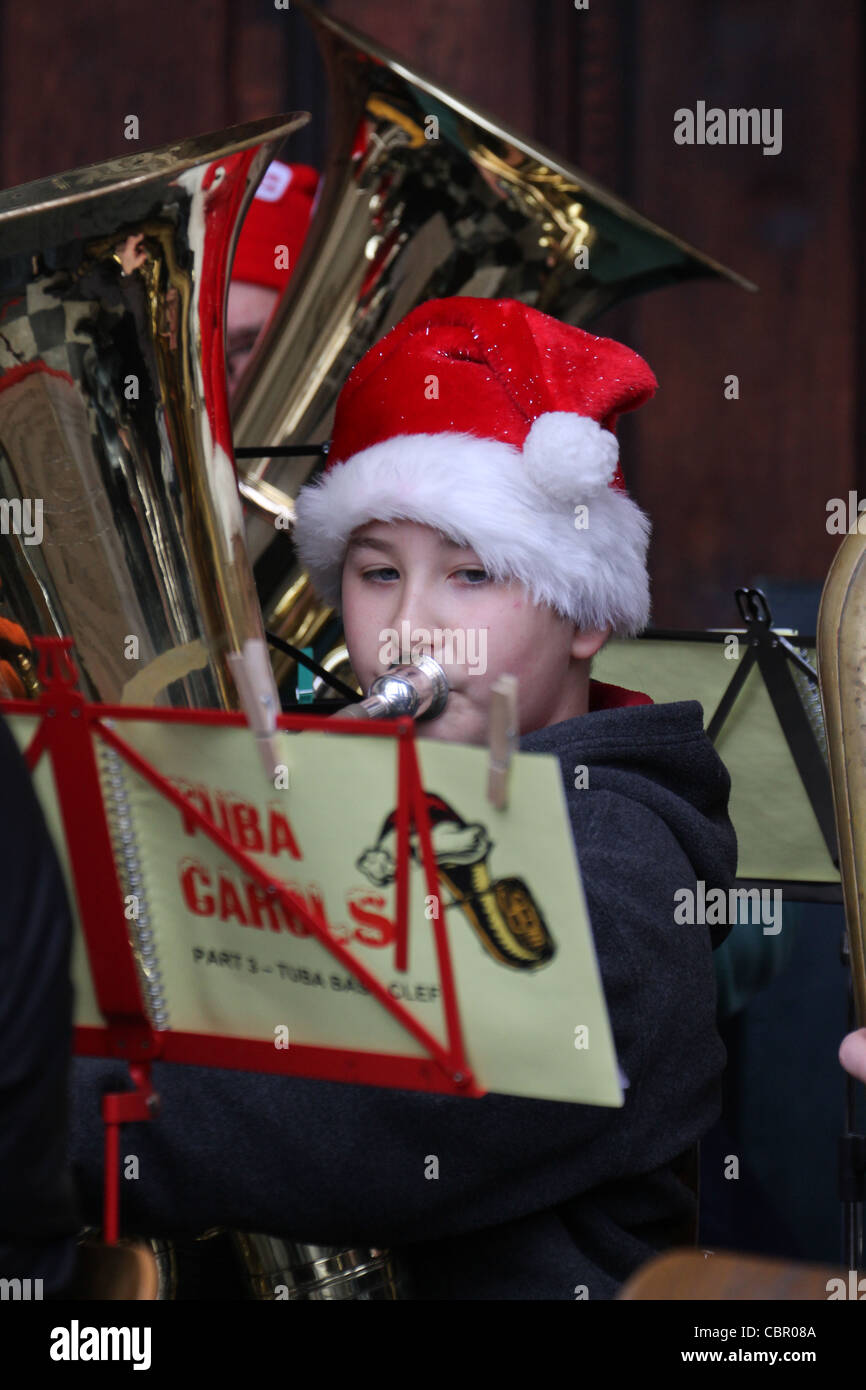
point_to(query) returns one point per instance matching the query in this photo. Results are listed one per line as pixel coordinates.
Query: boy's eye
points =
(475, 575)
(375, 574)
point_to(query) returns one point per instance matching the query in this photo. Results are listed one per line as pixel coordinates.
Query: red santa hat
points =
(278, 216)
(495, 424)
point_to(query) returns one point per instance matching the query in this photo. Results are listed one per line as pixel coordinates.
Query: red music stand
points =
(66, 731)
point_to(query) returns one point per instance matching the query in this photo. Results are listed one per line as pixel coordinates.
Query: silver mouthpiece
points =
(419, 689)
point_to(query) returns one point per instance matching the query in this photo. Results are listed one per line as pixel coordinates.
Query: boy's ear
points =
(587, 641)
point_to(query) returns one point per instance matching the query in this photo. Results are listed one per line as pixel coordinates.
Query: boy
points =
(473, 483)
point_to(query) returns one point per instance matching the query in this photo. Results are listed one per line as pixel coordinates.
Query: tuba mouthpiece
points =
(419, 689)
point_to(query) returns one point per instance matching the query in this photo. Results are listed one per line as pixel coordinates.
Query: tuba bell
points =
(115, 437)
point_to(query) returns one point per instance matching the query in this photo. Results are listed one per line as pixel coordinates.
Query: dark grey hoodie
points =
(534, 1199)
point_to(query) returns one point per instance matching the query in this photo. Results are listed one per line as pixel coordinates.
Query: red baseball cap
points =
(278, 218)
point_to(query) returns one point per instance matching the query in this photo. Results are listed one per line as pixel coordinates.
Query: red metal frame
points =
(67, 728)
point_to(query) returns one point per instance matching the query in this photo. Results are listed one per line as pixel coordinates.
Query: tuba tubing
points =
(841, 655)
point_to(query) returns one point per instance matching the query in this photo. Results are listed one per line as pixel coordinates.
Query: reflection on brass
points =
(27, 672)
(114, 414)
(268, 500)
(166, 1267)
(283, 1270)
(163, 671)
(422, 196)
(337, 663)
(298, 612)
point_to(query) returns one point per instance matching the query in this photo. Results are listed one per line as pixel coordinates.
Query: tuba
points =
(841, 654)
(841, 657)
(422, 197)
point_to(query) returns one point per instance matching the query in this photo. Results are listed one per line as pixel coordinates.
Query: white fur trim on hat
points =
(571, 457)
(476, 491)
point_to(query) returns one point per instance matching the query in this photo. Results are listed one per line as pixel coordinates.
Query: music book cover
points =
(218, 955)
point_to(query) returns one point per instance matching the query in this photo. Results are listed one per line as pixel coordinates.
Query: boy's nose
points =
(412, 607)
(415, 624)
(415, 633)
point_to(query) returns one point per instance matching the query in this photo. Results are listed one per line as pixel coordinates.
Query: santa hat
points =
(495, 424)
(278, 216)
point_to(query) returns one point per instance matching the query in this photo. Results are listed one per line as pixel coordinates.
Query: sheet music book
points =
(218, 955)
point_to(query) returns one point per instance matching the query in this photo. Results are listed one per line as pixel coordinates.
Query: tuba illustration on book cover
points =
(118, 448)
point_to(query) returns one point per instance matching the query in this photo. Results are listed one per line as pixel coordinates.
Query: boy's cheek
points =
(461, 722)
(361, 632)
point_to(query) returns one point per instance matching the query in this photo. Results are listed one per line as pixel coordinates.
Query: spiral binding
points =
(125, 846)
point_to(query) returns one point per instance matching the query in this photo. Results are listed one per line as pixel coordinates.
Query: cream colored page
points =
(234, 964)
(778, 836)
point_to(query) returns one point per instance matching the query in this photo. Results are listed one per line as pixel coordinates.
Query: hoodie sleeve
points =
(331, 1162)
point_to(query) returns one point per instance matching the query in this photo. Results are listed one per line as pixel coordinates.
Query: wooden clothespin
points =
(503, 738)
(253, 676)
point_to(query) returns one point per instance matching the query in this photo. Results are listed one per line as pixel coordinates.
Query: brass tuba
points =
(422, 196)
(841, 656)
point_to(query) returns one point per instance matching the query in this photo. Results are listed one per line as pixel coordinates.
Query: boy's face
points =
(407, 589)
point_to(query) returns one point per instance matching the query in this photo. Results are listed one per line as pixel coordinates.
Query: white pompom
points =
(570, 457)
